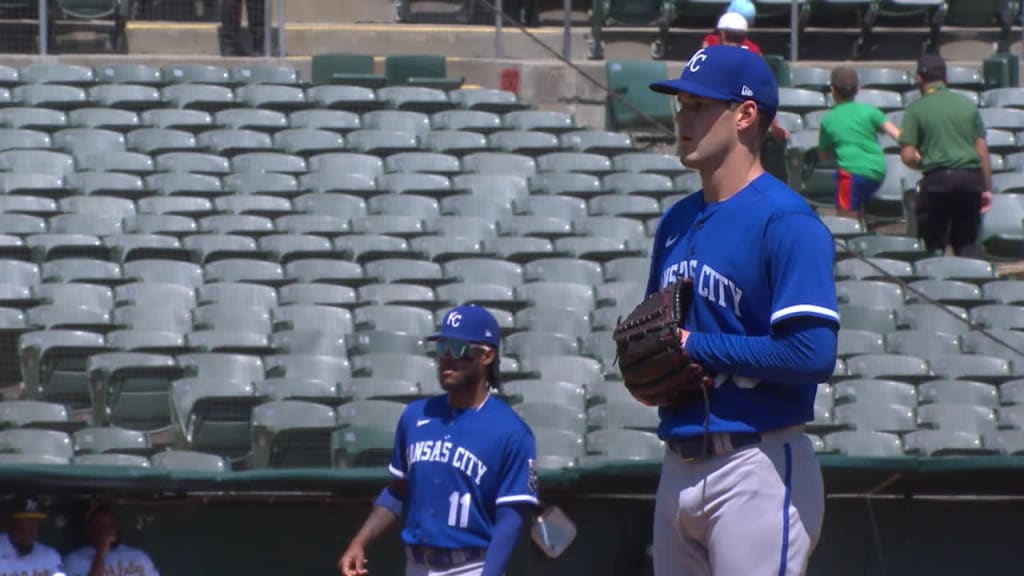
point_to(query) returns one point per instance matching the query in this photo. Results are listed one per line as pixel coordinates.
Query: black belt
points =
(696, 447)
(444, 558)
(937, 170)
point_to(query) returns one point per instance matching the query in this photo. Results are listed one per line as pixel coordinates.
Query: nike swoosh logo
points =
(671, 240)
(422, 422)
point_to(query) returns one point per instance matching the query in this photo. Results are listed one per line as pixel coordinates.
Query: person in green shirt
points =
(849, 135)
(944, 137)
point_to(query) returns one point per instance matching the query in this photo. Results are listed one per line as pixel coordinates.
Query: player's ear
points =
(488, 356)
(746, 115)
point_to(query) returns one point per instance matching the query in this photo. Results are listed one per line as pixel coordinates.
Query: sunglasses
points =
(457, 349)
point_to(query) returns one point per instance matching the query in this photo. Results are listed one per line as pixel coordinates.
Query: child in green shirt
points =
(849, 135)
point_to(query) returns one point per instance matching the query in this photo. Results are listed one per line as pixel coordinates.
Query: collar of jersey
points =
(934, 87)
(712, 206)
(457, 413)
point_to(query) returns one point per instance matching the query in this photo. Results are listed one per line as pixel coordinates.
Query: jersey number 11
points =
(458, 509)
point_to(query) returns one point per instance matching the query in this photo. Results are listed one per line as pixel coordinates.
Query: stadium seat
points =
(291, 434)
(875, 417)
(928, 317)
(924, 344)
(874, 391)
(551, 415)
(943, 443)
(477, 121)
(362, 446)
(888, 366)
(374, 342)
(418, 369)
(557, 449)
(273, 97)
(618, 444)
(177, 119)
(864, 443)
(963, 392)
(213, 414)
(853, 342)
(393, 318)
(631, 415)
(53, 364)
(188, 460)
(949, 292)
(34, 414)
(48, 443)
(100, 440)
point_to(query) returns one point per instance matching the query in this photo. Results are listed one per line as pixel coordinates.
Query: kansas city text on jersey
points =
(709, 283)
(441, 451)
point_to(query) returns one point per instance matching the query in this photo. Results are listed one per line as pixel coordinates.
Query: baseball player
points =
(21, 553)
(741, 492)
(105, 554)
(463, 467)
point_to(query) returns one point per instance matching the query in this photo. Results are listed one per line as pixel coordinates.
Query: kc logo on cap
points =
(728, 73)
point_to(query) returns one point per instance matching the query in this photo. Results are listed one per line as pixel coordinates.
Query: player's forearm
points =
(981, 147)
(504, 536)
(805, 354)
(380, 521)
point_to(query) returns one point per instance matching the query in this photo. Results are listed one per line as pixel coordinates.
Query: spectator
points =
(943, 136)
(732, 30)
(231, 27)
(105, 554)
(849, 135)
(20, 551)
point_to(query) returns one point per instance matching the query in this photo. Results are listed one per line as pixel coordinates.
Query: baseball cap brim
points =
(680, 85)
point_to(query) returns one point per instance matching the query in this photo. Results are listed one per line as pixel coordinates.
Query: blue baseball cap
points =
(728, 73)
(471, 323)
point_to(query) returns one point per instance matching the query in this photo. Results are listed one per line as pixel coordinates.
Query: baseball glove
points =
(655, 367)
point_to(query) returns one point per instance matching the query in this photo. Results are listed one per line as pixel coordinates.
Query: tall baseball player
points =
(463, 467)
(741, 491)
(21, 552)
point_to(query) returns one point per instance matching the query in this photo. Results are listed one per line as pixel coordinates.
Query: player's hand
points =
(986, 201)
(107, 542)
(353, 561)
(683, 335)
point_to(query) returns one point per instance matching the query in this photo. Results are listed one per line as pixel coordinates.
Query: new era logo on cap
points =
(728, 73)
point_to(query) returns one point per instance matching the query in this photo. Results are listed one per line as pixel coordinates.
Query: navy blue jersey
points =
(758, 258)
(459, 466)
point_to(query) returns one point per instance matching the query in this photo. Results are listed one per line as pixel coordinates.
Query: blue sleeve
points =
(507, 526)
(389, 500)
(519, 471)
(801, 351)
(800, 258)
(399, 466)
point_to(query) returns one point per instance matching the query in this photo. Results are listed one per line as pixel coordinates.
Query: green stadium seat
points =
(340, 68)
(630, 105)
(425, 70)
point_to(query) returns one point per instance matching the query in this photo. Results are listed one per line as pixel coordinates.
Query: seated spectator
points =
(20, 551)
(731, 30)
(105, 554)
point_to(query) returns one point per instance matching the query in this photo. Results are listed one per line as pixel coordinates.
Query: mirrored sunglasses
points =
(457, 349)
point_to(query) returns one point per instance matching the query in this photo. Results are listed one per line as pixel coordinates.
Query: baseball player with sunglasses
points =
(463, 473)
(740, 492)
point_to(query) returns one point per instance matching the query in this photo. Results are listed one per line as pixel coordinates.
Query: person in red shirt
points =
(732, 29)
